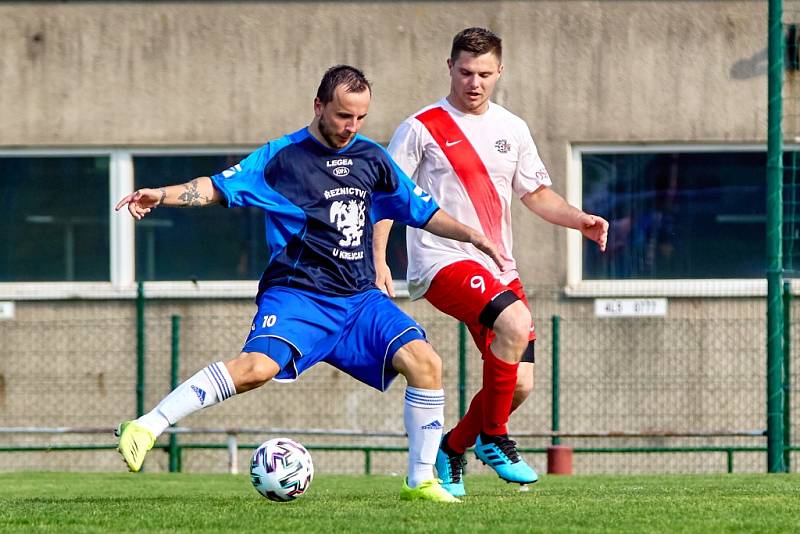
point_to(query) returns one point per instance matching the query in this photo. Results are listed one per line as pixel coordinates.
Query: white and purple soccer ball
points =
(281, 469)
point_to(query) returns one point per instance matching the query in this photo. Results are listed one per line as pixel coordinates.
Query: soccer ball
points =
(281, 469)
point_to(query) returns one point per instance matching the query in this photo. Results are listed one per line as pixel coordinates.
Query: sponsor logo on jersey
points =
(339, 166)
(342, 191)
(349, 217)
(502, 146)
(339, 162)
(350, 256)
(452, 143)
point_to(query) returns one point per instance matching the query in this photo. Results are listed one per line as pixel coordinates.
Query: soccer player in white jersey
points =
(471, 155)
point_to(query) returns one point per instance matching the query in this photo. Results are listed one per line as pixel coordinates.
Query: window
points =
(59, 236)
(54, 221)
(675, 214)
(213, 243)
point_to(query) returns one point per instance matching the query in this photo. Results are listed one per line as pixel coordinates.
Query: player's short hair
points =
(351, 78)
(477, 41)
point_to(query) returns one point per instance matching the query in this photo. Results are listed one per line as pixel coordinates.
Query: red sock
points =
(503, 377)
(467, 430)
(499, 380)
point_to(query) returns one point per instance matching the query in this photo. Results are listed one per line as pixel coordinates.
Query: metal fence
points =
(683, 393)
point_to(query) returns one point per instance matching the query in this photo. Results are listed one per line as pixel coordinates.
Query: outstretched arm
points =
(552, 207)
(444, 225)
(380, 238)
(198, 192)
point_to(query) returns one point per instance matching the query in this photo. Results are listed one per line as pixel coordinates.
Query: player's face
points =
(340, 119)
(472, 81)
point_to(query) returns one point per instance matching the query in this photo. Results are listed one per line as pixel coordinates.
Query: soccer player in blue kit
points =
(320, 188)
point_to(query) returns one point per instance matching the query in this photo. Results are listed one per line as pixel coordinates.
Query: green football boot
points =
(134, 442)
(429, 490)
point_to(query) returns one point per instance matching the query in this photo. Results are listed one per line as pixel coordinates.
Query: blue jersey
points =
(319, 206)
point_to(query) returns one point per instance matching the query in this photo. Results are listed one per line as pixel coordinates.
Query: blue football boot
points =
(500, 453)
(450, 469)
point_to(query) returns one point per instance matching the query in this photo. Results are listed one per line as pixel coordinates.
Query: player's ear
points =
(500, 69)
(318, 105)
(449, 63)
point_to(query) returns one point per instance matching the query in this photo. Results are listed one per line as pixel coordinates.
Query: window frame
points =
(122, 244)
(577, 287)
(122, 283)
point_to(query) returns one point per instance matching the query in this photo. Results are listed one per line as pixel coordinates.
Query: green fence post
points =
(462, 369)
(774, 239)
(174, 450)
(787, 375)
(555, 379)
(140, 340)
(367, 462)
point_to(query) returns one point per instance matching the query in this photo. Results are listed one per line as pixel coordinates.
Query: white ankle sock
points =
(423, 414)
(207, 387)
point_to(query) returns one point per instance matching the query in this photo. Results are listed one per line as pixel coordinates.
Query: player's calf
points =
(524, 385)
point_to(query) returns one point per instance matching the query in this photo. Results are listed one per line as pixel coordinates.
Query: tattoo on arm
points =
(163, 196)
(192, 197)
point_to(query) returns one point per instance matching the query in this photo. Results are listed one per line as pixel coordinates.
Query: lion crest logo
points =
(349, 217)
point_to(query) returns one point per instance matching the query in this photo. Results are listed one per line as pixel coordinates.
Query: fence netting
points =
(700, 369)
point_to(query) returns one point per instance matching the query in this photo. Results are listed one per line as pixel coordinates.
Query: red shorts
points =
(464, 290)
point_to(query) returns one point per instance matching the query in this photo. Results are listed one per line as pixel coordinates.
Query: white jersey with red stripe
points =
(471, 164)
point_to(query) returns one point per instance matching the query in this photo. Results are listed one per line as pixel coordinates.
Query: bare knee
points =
(251, 369)
(512, 330)
(420, 364)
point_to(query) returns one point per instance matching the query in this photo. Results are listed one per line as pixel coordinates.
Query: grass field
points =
(104, 502)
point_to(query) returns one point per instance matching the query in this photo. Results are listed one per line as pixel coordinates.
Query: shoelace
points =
(457, 464)
(509, 448)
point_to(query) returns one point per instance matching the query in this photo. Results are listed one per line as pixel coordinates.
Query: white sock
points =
(423, 414)
(206, 388)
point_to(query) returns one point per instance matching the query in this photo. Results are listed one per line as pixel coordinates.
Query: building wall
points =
(78, 74)
(238, 73)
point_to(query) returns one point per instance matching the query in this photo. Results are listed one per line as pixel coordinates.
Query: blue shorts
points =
(358, 334)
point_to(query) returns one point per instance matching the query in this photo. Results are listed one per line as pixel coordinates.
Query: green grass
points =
(104, 502)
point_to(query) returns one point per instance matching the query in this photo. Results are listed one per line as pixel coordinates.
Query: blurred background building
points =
(650, 113)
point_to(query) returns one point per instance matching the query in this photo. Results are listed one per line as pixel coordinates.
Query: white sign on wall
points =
(630, 307)
(6, 310)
